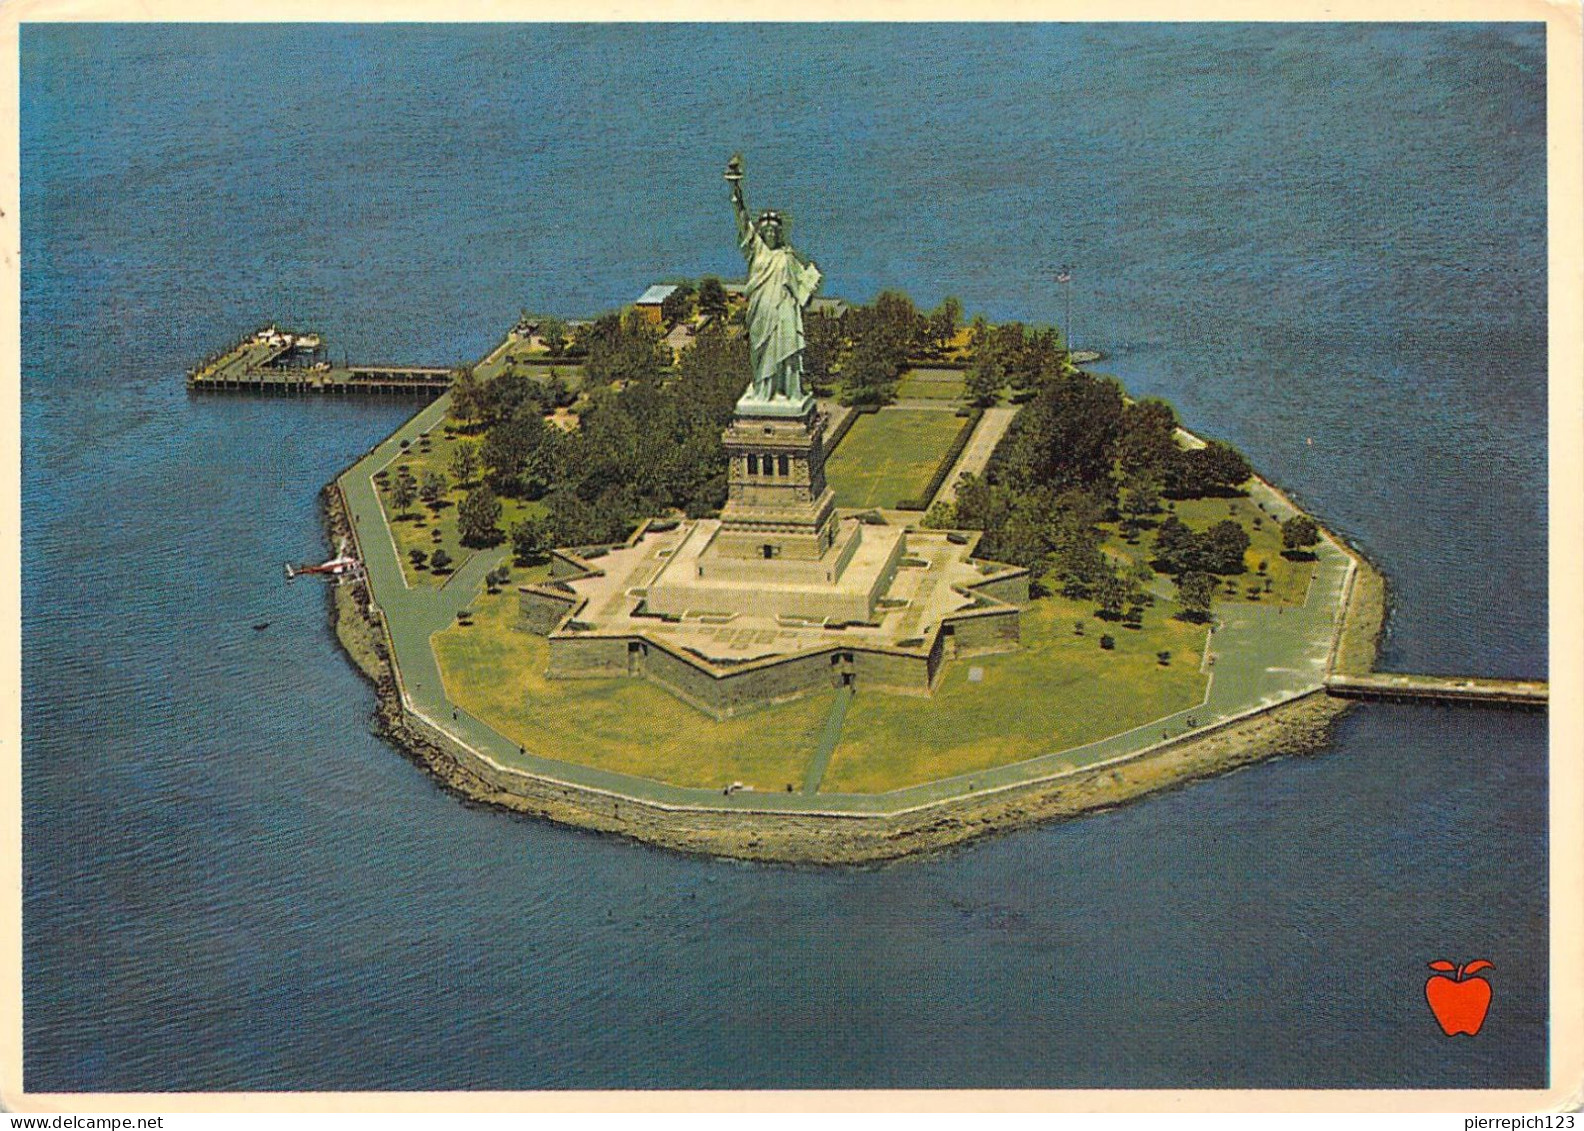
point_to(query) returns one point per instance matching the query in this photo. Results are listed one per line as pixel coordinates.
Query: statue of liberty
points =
(780, 285)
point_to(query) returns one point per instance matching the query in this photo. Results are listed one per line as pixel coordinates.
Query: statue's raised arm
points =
(734, 177)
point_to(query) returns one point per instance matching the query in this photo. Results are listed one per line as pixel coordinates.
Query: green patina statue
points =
(780, 285)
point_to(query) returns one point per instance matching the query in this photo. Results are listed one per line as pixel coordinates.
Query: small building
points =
(650, 302)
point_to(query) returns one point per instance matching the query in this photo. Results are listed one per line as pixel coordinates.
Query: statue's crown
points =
(770, 215)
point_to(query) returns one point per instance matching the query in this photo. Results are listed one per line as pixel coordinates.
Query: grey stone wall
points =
(541, 611)
(573, 657)
(993, 630)
(1014, 588)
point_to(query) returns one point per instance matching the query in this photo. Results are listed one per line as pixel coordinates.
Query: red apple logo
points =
(1458, 1001)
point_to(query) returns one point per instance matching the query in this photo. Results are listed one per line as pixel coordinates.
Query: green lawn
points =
(1060, 690)
(931, 384)
(421, 523)
(890, 456)
(495, 671)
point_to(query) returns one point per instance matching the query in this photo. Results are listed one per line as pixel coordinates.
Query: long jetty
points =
(1395, 687)
(278, 362)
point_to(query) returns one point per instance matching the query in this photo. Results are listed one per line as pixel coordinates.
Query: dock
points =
(275, 362)
(1393, 687)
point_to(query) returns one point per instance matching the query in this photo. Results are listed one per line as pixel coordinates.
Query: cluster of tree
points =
(1219, 550)
(1299, 536)
(678, 305)
(625, 348)
(559, 341)
(871, 345)
(879, 339)
(440, 562)
(479, 517)
(479, 404)
(1011, 354)
(1215, 469)
(1195, 591)
(648, 448)
(1079, 454)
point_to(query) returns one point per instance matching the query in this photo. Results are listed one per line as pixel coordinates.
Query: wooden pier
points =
(1392, 687)
(273, 362)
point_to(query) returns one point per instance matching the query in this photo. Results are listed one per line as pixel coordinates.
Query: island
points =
(747, 570)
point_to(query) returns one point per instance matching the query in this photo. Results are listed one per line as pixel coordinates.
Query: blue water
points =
(1325, 244)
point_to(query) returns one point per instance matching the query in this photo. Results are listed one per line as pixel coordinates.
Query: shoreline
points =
(1295, 726)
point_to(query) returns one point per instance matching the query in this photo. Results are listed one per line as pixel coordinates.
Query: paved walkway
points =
(992, 426)
(1262, 656)
(830, 735)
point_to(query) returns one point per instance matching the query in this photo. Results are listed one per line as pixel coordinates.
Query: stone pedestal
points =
(778, 504)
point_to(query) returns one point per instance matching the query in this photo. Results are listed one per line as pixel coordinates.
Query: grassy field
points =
(1288, 580)
(1066, 689)
(430, 529)
(931, 385)
(890, 455)
(495, 672)
(1060, 690)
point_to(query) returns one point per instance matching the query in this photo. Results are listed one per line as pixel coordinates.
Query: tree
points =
(1224, 545)
(1111, 595)
(530, 540)
(464, 461)
(1195, 591)
(404, 493)
(677, 305)
(627, 348)
(1177, 548)
(1148, 442)
(870, 371)
(943, 322)
(1215, 469)
(1299, 533)
(465, 405)
(986, 377)
(822, 343)
(1066, 435)
(440, 561)
(1143, 496)
(1225, 466)
(553, 333)
(711, 296)
(519, 454)
(712, 373)
(478, 518)
(434, 488)
(941, 516)
(417, 557)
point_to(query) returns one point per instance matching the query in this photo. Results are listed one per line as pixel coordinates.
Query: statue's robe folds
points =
(779, 287)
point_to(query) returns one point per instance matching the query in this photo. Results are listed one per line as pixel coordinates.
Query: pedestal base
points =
(778, 406)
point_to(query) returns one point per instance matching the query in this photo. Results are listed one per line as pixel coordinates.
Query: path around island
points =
(1259, 656)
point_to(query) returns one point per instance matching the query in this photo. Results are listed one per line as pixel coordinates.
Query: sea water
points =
(1323, 243)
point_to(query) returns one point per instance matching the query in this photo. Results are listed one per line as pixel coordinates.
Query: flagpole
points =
(1064, 277)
